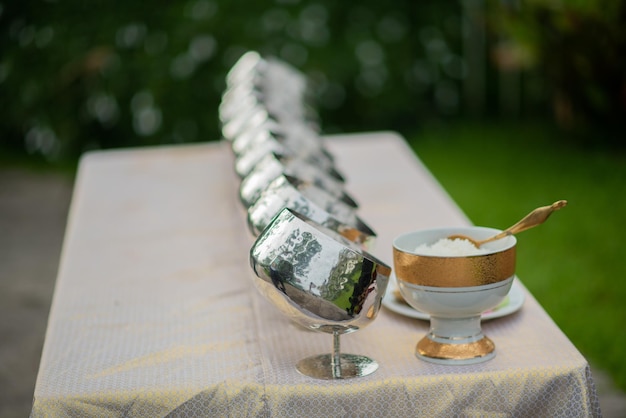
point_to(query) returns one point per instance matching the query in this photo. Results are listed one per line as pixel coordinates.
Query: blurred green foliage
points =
(579, 47)
(78, 75)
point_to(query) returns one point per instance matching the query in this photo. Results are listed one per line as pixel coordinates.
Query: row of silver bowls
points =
(310, 256)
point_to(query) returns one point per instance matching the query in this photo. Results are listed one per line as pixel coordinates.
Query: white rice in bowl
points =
(446, 247)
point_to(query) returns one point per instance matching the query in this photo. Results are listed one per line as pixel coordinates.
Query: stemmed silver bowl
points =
(324, 283)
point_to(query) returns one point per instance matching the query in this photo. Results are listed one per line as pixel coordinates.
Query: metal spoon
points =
(534, 218)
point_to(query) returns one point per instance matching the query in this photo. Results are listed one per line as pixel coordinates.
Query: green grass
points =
(575, 263)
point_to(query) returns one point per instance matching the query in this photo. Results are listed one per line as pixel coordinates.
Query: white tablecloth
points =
(154, 312)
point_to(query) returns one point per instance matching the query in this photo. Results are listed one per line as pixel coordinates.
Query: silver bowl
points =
(296, 133)
(313, 202)
(255, 84)
(248, 118)
(322, 282)
(240, 99)
(273, 165)
(269, 143)
(248, 65)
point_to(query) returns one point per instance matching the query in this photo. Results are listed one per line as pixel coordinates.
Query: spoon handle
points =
(534, 218)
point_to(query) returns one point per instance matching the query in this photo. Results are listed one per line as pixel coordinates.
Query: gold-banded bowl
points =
(454, 289)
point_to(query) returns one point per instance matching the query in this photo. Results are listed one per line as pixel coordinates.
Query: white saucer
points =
(512, 303)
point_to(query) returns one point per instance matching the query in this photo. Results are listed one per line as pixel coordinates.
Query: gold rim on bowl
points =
(453, 271)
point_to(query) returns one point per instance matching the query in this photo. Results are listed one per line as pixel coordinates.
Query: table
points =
(154, 312)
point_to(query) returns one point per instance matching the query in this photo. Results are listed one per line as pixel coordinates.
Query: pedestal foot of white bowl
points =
(455, 341)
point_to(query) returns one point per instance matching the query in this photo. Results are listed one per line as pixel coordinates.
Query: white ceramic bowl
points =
(454, 289)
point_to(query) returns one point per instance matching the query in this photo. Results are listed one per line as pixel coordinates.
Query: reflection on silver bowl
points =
(321, 281)
(247, 161)
(296, 136)
(313, 202)
(274, 165)
(248, 65)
